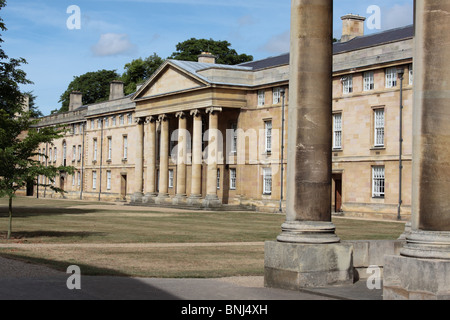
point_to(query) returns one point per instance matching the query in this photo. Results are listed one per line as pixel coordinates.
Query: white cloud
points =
(112, 44)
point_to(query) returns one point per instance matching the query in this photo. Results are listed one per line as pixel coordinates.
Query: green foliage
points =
(94, 86)
(189, 50)
(18, 139)
(139, 70)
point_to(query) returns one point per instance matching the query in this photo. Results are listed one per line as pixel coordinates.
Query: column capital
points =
(196, 112)
(180, 115)
(213, 109)
(150, 119)
(163, 117)
(139, 120)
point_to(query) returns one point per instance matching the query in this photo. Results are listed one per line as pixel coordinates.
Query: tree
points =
(94, 86)
(189, 50)
(139, 70)
(19, 140)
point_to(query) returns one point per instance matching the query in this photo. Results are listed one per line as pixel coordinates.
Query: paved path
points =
(24, 281)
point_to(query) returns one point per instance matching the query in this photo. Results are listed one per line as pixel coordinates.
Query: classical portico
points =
(181, 121)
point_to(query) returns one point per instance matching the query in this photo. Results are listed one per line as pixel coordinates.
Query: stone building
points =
(204, 134)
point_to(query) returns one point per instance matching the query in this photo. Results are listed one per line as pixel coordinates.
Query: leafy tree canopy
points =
(19, 139)
(95, 87)
(139, 70)
(189, 50)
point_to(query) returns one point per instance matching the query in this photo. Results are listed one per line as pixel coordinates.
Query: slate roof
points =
(340, 47)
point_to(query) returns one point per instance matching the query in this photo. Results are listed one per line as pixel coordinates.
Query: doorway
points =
(337, 179)
(123, 186)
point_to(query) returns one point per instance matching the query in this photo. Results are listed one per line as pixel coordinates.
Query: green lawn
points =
(45, 221)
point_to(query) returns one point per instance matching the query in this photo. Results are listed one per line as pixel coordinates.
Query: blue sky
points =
(114, 32)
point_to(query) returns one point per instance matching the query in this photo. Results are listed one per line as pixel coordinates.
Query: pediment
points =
(169, 79)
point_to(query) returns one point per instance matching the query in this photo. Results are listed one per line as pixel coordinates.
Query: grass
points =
(81, 224)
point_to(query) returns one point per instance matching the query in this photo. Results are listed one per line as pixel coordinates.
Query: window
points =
(378, 181)
(94, 180)
(79, 153)
(50, 158)
(92, 124)
(379, 127)
(108, 180)
(130, 118)
(73, 180)
(99, 123)
(74, 153)
(234, 139)
(121, 119)
(261, 98)
(391, 77)
(411, 75)
(55, 154)
(95, 150)
(64, 153)
(39, 155)
(113, 120)
(267, 181)
(109, 148)
(276, 95)
(337, 131)
(233, 179)
(79, 178)
(125, 147)
(268, 135)
(170, 178)
(218, 179)
(369, 83)
(347, 84)
(75, 128)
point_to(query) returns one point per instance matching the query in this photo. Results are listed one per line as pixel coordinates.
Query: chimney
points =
(26, 103)
(207, 57)
(116, 90)
(76, 98)
(352, 27)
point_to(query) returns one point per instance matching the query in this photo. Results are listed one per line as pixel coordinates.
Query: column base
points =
(162, 198)
(408, 278)
(211, 201)
(295, 266)
(427, 245)
(137, 197)
(194, 200)
(179, 199)
(308, 232)
(149, 198)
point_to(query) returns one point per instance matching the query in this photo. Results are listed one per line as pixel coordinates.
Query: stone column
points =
(151, 159)
(197, 158)
(422, 271)
(310, 129)
(181, 158)
(164, 159)
(211, 199)
(308, 252)
(139, 162)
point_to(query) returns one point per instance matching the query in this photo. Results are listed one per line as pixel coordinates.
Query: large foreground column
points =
(308, 252)
(423, 269)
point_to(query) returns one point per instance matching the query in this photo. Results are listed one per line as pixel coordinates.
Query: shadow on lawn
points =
(23, 235)
(39, 211)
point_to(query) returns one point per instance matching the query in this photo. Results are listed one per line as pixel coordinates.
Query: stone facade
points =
(230, 118)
